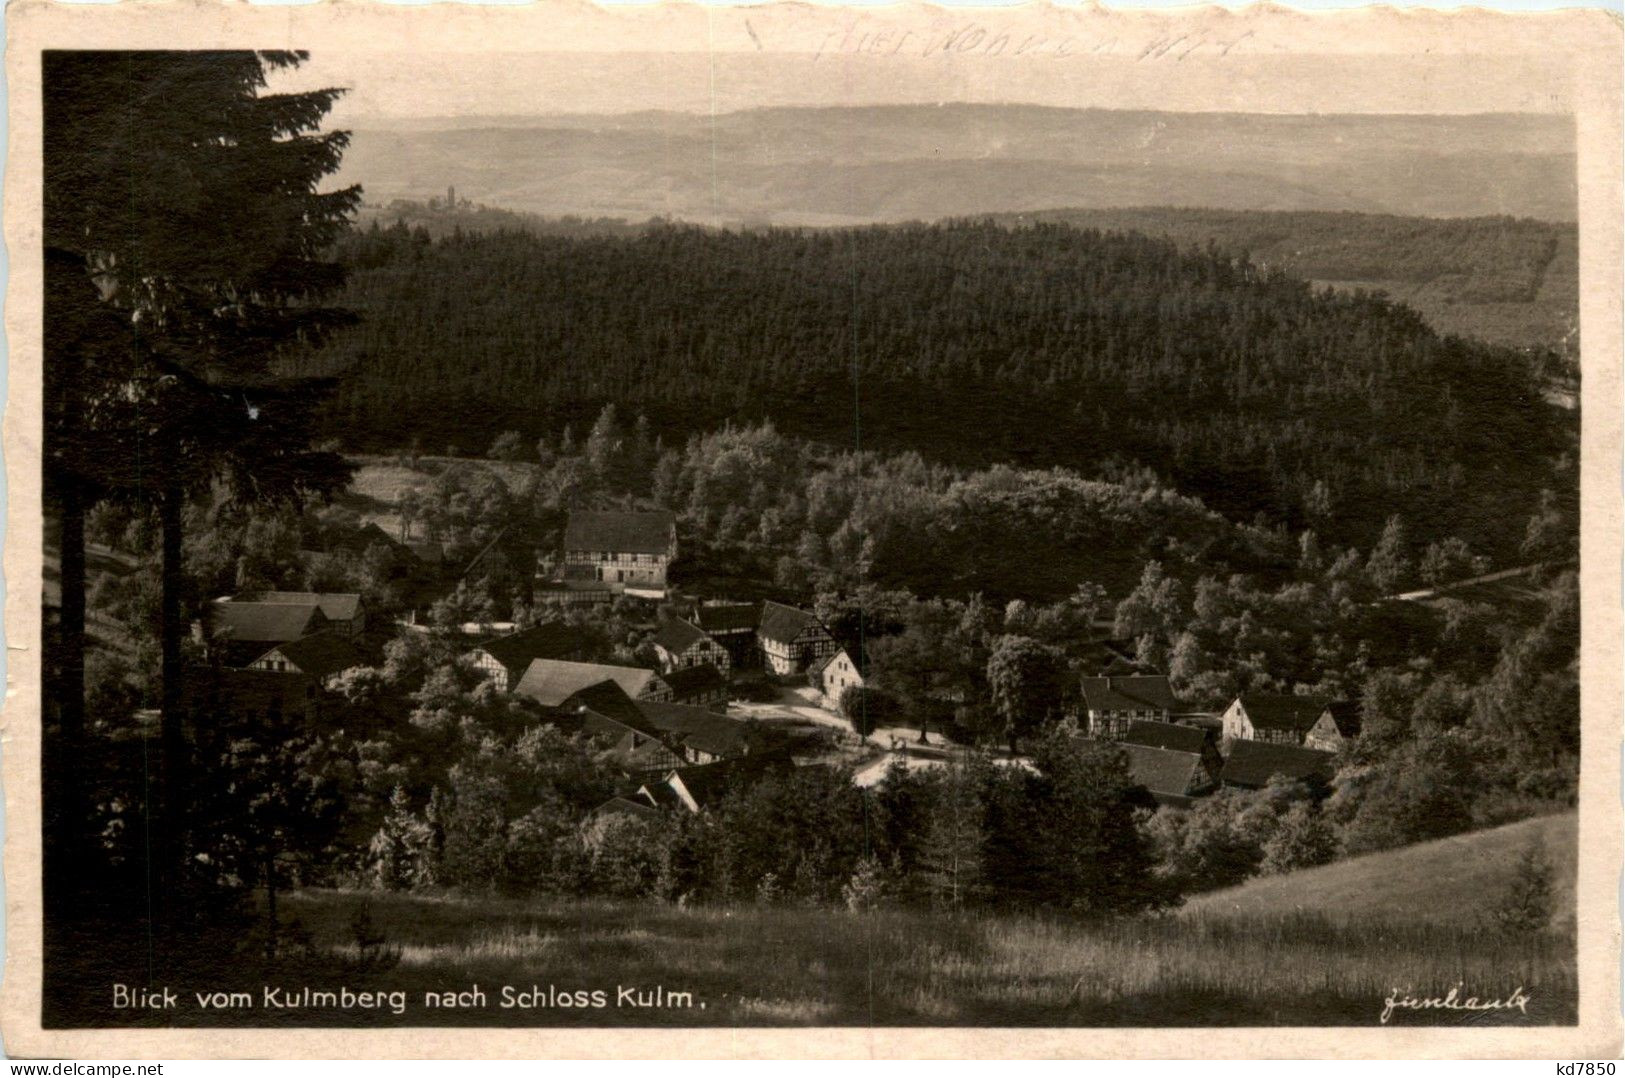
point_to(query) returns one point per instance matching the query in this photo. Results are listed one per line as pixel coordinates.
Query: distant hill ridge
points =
(899, 162)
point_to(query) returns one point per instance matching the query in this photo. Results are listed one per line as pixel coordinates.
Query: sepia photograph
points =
(787, 517)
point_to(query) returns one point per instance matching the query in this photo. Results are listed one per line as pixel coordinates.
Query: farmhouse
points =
(604, 711)
(242, 631)
(1337, 724)
(321, 657)
(1174, 777)
(1275, 717)
(733, 625)
(698, 686)
(1177, 738)
(682, 644)
(792, 640)
(699, 735)
(1112, 704)
(552, 681)
(1251, 764)
(839, 672)
(634, 549)
(344, 611)
(504, 659)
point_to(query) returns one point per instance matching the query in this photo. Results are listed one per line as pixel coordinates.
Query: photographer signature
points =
(1453, 1000)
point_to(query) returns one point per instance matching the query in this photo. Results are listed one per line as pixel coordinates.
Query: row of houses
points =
(778, 639)
(549, 661)
(1112, 704)
(1179, 754)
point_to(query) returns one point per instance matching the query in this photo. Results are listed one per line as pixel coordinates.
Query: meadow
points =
(1450, 881)
(1323, 946)
(790, 966)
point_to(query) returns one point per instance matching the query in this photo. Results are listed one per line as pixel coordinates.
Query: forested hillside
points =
(971, 343)
(1506, 280)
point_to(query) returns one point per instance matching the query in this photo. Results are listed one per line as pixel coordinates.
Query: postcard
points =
(778, 530)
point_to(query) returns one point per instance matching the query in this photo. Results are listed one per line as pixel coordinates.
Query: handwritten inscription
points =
(978, 39)
(1453, 1000)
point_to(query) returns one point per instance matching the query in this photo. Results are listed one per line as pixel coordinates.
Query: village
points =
(913, 559)
(736, 690)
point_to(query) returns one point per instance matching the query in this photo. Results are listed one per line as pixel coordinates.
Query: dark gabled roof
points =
(1138, 693)
(1277, 711)
(660, 794)
(783, 624)
(697, 728)
(1165, 735)
(708, 784)
(620, 532)
(549, 640)
(263, 623)
(321, 654)
(728, 617)
(691, 681)
(677, 635)
(336, 605)
(1347, 717)
(552, 681)
(1163, 770)
(609, 700)
(1254, 763)
(625, 806)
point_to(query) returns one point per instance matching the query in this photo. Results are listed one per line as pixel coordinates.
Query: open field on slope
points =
(1447, 882)
(1222, 961)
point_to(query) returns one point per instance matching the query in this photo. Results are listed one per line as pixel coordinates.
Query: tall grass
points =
(790, 966)
(784, 966)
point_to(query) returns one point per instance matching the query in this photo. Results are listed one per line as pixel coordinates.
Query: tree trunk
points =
(66, 821)
(71, 303)
(168, 851)
(271, 925)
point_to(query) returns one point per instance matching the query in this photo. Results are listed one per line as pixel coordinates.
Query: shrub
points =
(756, 690)
(1526, 908)
(867, 888)
(868, 709)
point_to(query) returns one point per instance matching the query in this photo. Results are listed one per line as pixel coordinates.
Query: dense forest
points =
(1506, 280)
(1056, 346)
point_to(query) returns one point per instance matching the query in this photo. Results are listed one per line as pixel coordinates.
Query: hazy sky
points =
(729, 59)
(420, 85)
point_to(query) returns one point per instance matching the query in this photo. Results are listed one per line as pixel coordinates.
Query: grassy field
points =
(788, 966)
(1321, 947)
(381, 480)
(1445, 882)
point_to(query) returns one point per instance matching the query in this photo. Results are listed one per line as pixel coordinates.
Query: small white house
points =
(839, 673)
